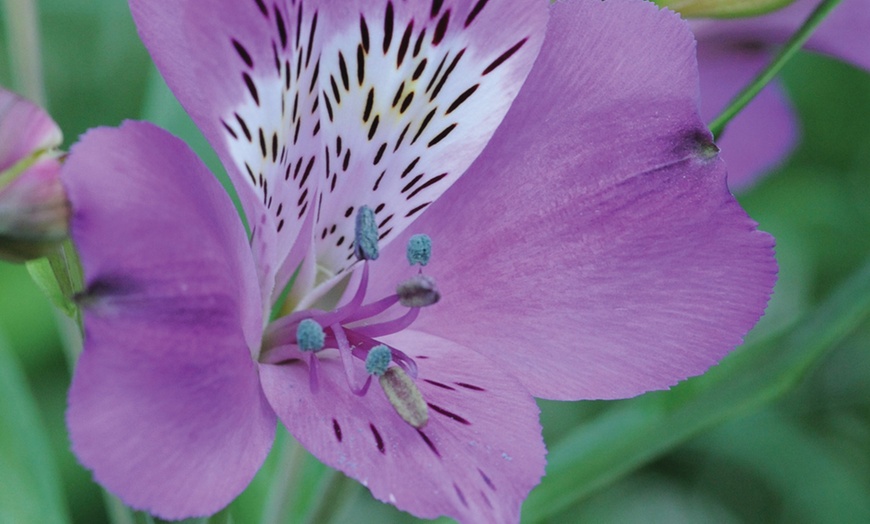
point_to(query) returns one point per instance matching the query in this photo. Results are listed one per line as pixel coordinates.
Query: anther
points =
(405, 397)
(365, 245)
(419, 250)
(378, 360)
(418, 291)
(310, 335)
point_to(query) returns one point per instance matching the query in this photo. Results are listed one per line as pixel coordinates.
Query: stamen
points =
(362, 343)
(345, 351)
(418, 291)
(310, 335)
(405, 397)
(313, 380)
(378, 360)
(390, 326)
(366, 240)
(419, 250)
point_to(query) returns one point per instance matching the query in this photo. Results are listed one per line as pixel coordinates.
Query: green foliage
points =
(30, 487)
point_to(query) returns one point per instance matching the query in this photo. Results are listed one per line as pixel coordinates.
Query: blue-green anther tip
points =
(310, 336)
(366, 241)
(419, 250)
(378, 360)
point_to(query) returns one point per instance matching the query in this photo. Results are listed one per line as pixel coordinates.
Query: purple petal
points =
(476, 459)
(244, 72)
(761, 135)
(410, 94)
(594, 249)
(341, 104)
(24, 129)
(165, 405)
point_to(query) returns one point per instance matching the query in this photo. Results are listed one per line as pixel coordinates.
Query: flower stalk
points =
(798, 39)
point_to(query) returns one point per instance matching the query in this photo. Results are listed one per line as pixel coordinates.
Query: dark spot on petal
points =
(469, 386)
(504, 56)
(448, 414)
(478, 7)
(388, 27)
(441, 28)
(243, 53)
(439, 384)
(460, 495)
(429, 443)
(428, 183)
(378, 440)
(337, 429)
(486, 479)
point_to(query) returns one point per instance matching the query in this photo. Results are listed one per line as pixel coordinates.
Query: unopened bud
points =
(34, 213)
(723, 8)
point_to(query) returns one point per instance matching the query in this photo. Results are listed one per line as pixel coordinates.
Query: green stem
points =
(22, 26)
(797, 40)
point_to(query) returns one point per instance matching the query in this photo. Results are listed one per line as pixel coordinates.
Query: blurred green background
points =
(779, 432)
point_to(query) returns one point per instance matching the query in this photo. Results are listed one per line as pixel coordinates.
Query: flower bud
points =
(723, 8)
(34, 213)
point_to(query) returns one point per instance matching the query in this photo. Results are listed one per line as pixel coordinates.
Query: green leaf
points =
(633, 432)
(813, 481)
(29, 482)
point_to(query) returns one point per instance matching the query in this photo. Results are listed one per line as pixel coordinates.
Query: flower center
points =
(353, 329)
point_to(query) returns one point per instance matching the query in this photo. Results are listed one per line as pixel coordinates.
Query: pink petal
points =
(410, 94)
(33, 212)
(243, 70)
(24, 129)
(165, 405)
(476, 459)
(594, 250)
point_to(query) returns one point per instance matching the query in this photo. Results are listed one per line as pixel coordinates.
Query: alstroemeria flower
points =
(33, 207)
(591, 249)
(732, 52)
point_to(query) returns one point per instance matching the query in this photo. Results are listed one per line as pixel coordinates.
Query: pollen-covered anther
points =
(419, 250)
(418, 291)
(405, 397)
(378, 360)
(310, 335)
(366, 235)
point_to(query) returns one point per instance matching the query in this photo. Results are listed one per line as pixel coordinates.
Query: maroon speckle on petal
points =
(448, 414)
(337, 429)
(460, 495)
(439, 384)
(503, 57)
(378, 440)
(469, 386)
(429, 443)
(475, 11)
(486, 479)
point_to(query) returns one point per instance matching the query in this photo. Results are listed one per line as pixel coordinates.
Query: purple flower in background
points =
(33, 207)
(590, 250)
(732, 52)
